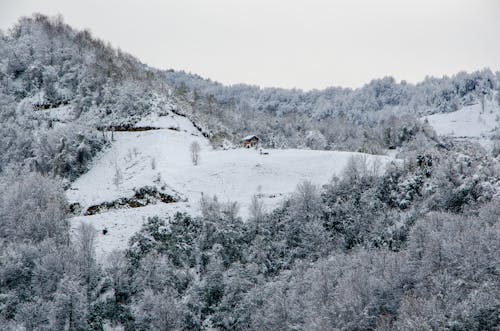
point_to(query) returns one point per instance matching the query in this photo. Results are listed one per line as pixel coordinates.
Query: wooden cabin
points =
(250, 141)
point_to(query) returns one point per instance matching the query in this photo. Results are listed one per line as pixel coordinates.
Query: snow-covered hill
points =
(469, 122)
(160, 159)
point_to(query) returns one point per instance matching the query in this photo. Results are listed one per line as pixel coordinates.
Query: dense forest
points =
(410, 247)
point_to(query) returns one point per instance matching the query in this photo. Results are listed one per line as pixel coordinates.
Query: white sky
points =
(290, 43)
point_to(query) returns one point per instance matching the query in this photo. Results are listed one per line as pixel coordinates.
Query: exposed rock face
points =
(142, 197)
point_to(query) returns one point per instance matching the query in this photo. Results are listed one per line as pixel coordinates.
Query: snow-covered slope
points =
(467, 122)
(161, 159)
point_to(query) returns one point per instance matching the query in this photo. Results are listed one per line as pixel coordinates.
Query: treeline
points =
(408, 248)
(429, 96)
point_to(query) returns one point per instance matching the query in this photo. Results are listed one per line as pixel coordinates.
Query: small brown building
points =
(250, 141)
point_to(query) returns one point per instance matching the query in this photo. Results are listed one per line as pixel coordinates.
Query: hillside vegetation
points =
(381, 114)
(59, 85)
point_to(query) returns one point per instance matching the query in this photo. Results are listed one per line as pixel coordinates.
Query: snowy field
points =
(161, 158)
(467, 122)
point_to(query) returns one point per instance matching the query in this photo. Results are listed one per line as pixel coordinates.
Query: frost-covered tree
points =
(195, 149)
(117, 175)
(32, 208)
(70, 307)
(158, 311)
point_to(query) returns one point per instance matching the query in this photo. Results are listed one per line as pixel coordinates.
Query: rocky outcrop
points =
(143, 196)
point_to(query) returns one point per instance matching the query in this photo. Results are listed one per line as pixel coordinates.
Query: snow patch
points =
(468, 122)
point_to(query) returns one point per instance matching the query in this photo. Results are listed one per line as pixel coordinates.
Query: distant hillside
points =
(333, 118)
(433, 95)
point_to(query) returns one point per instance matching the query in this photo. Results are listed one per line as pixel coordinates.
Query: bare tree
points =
(118, 176)
(256, 208)
(195, 152)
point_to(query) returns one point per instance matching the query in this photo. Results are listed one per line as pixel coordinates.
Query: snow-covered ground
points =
(121, 224)
(161, 158)
(468, 122)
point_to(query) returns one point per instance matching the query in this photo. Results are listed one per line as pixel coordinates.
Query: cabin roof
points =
(250, 137)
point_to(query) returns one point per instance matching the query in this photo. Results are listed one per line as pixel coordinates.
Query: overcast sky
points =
(290, 43)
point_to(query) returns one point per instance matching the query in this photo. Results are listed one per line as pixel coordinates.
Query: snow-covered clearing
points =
(468, 122)
(161, 158)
